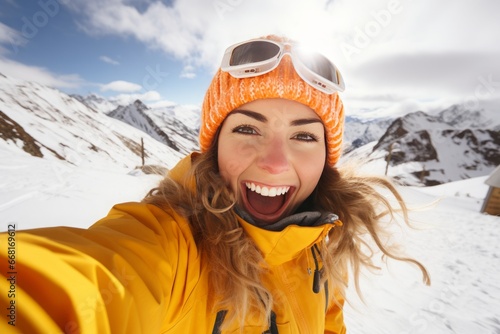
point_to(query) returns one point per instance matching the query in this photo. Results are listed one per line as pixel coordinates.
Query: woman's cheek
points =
(309, 163)
(235, 158)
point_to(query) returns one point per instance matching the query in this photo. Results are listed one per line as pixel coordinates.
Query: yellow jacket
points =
(138, 270)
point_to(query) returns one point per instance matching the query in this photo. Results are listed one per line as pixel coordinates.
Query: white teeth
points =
(267, 191)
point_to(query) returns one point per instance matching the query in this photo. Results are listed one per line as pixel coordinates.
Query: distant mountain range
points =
(424, 149)
(49, 124)
(451, 145)
(176, 126)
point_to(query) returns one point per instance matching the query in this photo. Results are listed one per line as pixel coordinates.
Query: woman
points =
(255, 234)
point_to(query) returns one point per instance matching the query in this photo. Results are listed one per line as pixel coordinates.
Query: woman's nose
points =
(273, 157)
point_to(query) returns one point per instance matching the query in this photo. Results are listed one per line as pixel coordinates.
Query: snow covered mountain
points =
(46, 123)
(97, 103)
(451, 145)
(181, 123)
(134, 114)
(174, 125)
(359, 132)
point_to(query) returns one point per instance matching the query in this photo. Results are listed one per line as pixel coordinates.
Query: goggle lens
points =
(319, 64)
(253, 52)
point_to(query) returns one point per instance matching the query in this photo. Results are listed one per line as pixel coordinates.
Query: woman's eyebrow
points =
(261, 118)
(304, 121)
(252, 114)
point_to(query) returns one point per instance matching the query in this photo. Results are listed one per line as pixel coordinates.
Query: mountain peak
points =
(458, 116)
(134, 115)
(96, 102)
(140, 106)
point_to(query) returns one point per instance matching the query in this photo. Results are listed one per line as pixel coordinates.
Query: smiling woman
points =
(257, 233)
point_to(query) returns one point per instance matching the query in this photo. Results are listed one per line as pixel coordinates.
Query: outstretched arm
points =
(116, 276)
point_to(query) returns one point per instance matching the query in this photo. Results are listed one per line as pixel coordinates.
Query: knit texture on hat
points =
(227, 93)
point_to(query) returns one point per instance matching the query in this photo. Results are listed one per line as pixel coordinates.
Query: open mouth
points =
(266, 203)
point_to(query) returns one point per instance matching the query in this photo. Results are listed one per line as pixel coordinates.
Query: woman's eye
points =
(305, 136)
(245, 129)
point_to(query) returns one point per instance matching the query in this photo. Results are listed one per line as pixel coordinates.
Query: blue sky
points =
(53, 40)
(396, 56)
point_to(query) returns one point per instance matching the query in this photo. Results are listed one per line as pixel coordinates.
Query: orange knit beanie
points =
(227, 93)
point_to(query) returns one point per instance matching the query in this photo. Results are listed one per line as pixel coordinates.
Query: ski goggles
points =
(259, 56)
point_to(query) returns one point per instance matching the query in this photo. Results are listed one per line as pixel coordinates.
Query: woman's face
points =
(271, 153)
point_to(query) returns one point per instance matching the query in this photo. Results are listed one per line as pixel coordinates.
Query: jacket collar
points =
(277, 247)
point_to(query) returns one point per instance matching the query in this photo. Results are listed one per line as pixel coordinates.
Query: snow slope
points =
(36, 192)
(458, 244)
(459, 247)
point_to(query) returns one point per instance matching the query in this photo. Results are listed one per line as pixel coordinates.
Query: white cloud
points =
(109, 60)
(151, 95)
(161, 104)
(188, 72)
(39, 74)
(429, 74)
(121, 86)
(11, 40)
(198, 31)
(125, 99)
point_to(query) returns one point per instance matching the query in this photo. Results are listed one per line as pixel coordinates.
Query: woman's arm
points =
(115, 277)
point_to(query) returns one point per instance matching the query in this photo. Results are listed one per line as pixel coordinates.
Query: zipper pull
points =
(317, 277)
(317, 272)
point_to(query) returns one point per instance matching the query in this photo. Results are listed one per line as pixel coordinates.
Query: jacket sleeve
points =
(334, 321)
(115, 277)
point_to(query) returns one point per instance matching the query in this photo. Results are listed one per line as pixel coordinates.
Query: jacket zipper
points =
(317, 272)
(219, 319)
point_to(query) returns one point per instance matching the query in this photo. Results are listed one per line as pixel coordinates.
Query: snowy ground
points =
(458, 245)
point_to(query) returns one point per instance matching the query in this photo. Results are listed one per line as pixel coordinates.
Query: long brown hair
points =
(234, 260)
